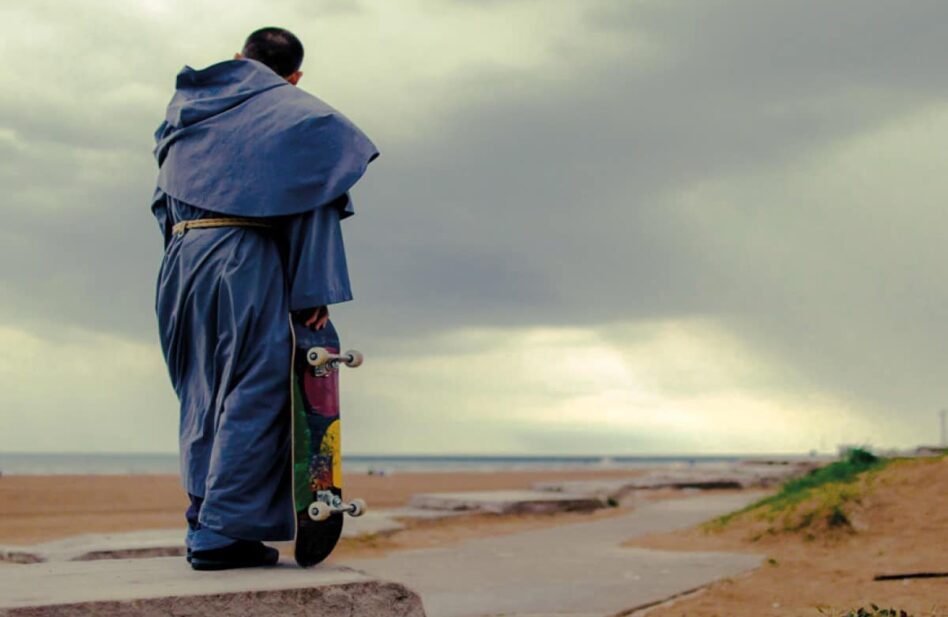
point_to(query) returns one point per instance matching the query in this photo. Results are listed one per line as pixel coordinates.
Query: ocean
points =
(34, 463)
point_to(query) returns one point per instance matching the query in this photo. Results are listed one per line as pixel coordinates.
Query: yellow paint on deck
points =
(331, 446)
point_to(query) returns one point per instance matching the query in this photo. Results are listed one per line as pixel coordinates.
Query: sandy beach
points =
(41, 508)
(897, 518)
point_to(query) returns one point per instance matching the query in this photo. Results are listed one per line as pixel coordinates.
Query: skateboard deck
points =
(317, 453)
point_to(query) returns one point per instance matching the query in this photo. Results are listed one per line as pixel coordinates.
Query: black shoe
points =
(189, 555)
(240, 554)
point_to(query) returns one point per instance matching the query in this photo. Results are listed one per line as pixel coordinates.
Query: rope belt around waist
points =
(183, 226)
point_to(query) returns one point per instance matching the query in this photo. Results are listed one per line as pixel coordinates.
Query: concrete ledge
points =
(21, 554)
(170, 542)
(167, 586)
(601, 489)
(409, 513)
(738, 476)
(506, 502)
(91, 546)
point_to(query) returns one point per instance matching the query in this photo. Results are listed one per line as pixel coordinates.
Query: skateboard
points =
(317, 454)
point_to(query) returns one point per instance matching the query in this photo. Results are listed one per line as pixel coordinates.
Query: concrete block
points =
(420, 513)
(87, 547)
(612, 488)
(737, 476)
(506, 502)
(168, 542)
(167, 586)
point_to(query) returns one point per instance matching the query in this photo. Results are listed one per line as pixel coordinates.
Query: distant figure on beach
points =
(253, 182)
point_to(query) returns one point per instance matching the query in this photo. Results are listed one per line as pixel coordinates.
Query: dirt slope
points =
(897, 522)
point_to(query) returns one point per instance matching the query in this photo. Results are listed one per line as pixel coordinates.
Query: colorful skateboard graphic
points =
(317, 455)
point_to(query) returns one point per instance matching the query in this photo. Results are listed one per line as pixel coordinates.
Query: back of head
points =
(277, 48)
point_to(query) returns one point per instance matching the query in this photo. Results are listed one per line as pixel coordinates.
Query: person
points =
(253, 180)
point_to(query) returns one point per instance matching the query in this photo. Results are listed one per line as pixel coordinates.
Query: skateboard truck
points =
(327, 504)
(324, 361)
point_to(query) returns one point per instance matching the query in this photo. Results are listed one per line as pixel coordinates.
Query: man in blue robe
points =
(253, 182)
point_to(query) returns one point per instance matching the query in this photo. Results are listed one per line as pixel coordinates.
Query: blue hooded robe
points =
(240, 141)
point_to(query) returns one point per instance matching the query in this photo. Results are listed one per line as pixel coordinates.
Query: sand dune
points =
(899, 523)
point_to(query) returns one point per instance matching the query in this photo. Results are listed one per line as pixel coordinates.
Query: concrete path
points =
(167, 586)
(576, 569)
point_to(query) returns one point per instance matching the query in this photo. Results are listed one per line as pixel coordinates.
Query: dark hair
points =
(279, 49)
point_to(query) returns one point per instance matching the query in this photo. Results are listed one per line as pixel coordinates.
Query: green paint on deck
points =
(302, 453)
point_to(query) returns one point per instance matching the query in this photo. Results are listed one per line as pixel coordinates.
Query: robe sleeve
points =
(316, 269)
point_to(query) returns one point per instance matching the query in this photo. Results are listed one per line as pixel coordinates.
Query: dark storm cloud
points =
(566, 185)
(562, 185)
(91, 262)
(547, 199)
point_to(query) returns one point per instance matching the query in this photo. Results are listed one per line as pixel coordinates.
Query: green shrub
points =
(829, 482)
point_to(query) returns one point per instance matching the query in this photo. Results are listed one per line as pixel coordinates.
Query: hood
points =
(200, 94)
(239, 140)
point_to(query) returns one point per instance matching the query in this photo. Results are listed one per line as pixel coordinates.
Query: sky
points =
(610, 227)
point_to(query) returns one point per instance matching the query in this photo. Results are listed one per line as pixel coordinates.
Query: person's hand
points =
(318, 319)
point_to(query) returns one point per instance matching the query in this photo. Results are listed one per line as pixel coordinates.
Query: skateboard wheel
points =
(353, 358)
(319, 511)
(317, 356)
(358, 507)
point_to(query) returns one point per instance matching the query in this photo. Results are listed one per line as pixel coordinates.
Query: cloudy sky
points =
(597, 226)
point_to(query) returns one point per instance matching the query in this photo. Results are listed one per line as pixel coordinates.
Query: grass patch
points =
(825, 491)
